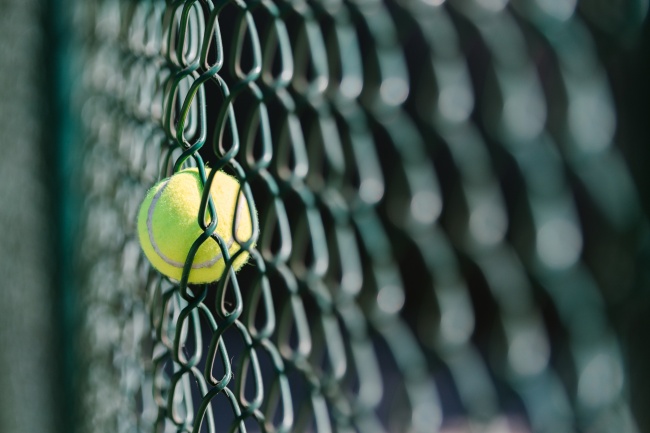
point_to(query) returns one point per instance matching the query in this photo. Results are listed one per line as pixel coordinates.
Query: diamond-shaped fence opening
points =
(446, 221)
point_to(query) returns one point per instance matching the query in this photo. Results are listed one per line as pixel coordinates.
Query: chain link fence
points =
(447, 227)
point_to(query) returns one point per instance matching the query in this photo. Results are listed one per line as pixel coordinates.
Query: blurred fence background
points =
(452, 200)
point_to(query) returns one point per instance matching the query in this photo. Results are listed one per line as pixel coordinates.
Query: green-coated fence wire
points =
(437, 186)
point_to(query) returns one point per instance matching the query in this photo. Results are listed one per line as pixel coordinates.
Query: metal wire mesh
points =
(439, 196)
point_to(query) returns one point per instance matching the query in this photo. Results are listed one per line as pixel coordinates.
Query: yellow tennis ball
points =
(168, 225)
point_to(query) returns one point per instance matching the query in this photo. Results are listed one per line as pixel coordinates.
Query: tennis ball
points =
(168, 225)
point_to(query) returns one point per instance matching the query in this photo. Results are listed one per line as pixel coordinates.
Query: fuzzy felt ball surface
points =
(168, 225)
